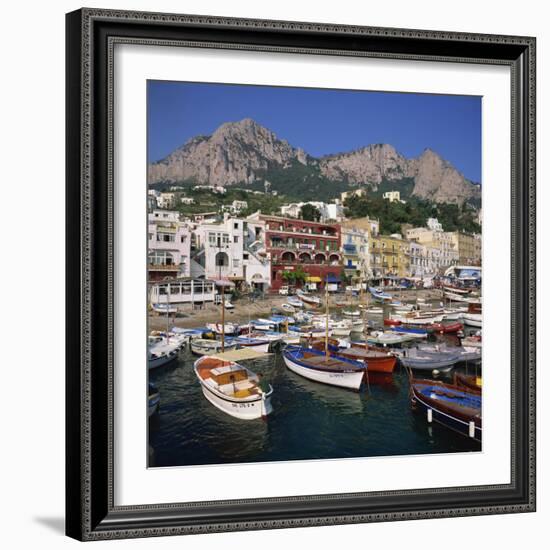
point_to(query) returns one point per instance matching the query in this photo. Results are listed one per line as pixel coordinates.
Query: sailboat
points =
(321, 365)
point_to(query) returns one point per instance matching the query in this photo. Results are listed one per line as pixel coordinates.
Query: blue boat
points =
(415, 331)
(379, 295)
(452, 406)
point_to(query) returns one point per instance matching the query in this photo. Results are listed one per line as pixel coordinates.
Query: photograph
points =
(314, 273)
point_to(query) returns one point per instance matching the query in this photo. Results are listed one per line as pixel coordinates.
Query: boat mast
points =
(223, 317)
(168, 314)
(327, 353)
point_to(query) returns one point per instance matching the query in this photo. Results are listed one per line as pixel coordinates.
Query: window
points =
(236, 225)
(245, 256)
(235, 239)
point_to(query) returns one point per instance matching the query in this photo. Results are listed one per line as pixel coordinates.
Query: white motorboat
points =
(233, 389)
(388, 338)
(308, 298)
(472, 319)
(164, 308)
(161, 352)
(229, 329)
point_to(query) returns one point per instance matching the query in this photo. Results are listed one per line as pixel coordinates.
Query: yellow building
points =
(389, 256)
(468, 247)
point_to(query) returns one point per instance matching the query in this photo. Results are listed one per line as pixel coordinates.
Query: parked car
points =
(284, 291)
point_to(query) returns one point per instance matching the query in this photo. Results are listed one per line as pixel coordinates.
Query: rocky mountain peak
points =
(242, 151)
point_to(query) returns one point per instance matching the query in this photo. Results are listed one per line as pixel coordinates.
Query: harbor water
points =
(309, 420)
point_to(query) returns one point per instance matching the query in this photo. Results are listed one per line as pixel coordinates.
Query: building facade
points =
(328, 211)
(356, 253)
(313, 246)
(233, 249)
(389, 256)
(169, 246)
(468, 247)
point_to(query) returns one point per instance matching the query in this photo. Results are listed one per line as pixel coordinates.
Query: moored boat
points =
(228, 329)
(202, 346)
(453, 406)
(161, 352)
(232, 388)
(258, 344)
(329, 369)
(388, 338)
(153, 400)
(422, 359)
(473, 319)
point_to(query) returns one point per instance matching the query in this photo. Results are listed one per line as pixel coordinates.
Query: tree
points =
(310, 213)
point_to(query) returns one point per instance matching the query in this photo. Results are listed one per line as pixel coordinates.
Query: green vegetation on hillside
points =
(414, 212)
(301, 183)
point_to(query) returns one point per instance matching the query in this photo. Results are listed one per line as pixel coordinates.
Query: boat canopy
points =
(240, 355)
(313, 279)
(331, 278)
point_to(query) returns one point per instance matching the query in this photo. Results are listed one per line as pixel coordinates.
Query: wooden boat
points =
(308, 298)
(456, 290)
(164, 308)
(377, 361)
(456, 297)
(392, 322)
(388, 338)
(327, 369)
(468, 381)
(415, 332)
(288, 308)
(228, 329)
(447, 327)
(351, 313)
(465, 354)
(232, 388)
(259, 344)
(473, 319)
(202, 346)
(153, 400)
(293, 301)
(379, 295)
(309, 331)
(161, 352)
(472, 341)
(453, 406)
(422, 359)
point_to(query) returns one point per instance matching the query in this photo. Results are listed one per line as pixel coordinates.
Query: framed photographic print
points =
(300, 274)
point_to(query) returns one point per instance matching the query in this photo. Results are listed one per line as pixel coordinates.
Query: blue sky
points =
(320, 121)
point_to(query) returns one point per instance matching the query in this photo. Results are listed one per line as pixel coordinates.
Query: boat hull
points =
(245, 410)
(444, 416)
(472, 319)
(156, 362)
(442, 364)
(349, 380)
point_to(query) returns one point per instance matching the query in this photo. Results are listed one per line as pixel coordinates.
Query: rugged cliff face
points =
(235, 153)
(242, 152)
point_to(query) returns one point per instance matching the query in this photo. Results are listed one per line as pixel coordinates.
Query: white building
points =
(187, 200)
(433, 224)
(233, 249)
(328, 211)
(238, 206)
(393, 196)
(169, 246)
(434, 237)
(167, 200)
